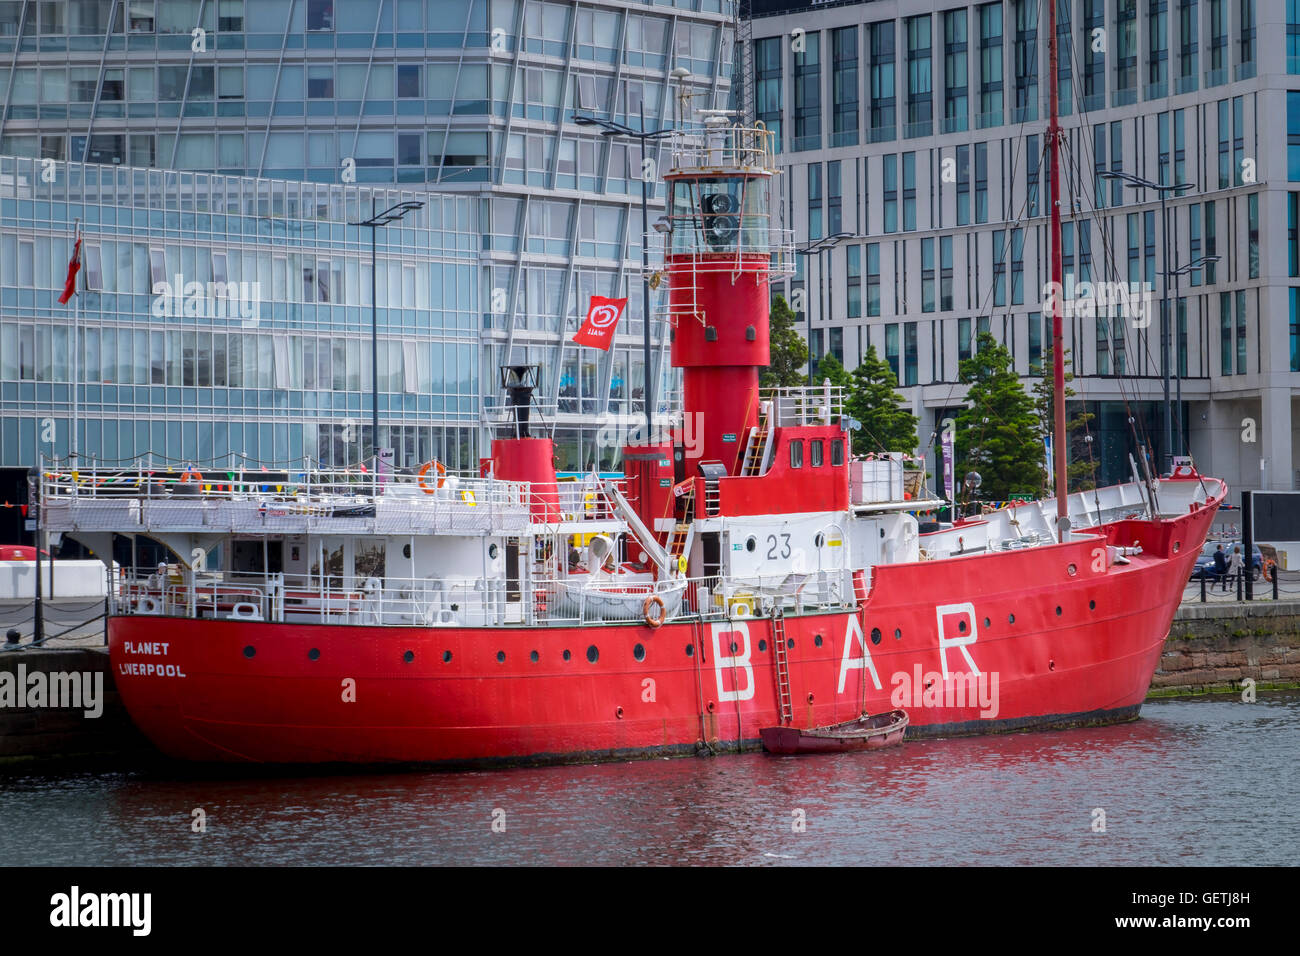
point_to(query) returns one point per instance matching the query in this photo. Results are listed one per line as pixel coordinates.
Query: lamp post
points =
(818, 247)
(1137, 182)
(377, 219)
(1191, 267)
(611, 128)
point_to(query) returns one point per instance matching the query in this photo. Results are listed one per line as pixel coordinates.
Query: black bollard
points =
(1239, 594)
(1275, 582)
(1204, 575)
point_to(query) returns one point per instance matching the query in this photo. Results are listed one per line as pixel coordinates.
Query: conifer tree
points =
(789, 352)
(998, 433)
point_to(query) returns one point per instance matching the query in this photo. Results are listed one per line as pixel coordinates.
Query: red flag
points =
(603, 314)
(74, 266)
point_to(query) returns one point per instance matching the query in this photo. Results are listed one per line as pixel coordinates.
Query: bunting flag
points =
(597, 331)
(74, 266)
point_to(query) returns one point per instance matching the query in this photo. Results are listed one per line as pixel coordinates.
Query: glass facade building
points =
(1171, 91)
(471, 99)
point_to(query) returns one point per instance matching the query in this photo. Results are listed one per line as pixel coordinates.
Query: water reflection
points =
(1196, 781)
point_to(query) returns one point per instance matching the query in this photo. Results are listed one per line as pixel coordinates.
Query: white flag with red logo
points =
(603, 314)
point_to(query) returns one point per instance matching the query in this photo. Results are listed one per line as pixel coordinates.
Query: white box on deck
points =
(876, 481)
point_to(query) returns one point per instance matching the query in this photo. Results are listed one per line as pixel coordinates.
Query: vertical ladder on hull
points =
(679, 541)
(783, 699)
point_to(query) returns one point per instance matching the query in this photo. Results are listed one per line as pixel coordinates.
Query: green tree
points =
(998, 434)
(887, 425)
(1079, 468)
(789, 352)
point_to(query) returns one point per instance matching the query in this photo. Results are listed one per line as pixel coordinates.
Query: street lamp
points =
(1191, 267)
(377, 219)
(818, 247)
(611, 128)
(1137, 182)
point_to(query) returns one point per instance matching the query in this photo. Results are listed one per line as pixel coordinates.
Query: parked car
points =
(1205, 562)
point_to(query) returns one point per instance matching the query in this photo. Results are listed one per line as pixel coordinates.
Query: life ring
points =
(681, 564)
(439, 468)
(654, 620)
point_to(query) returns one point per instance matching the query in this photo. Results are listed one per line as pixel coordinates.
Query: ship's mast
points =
(1058, 343)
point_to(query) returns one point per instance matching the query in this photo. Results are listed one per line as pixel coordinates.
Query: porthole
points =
(1071, 570)
(750, 543)
(690, 650)
(593, 655)
(987, 622)
(1011, 619)
(898, 634)
(875, 635)
(408, 656)
(446, 657)
(1058, 610)
(406, 550)
(1178, 546)
(819, 540)
(734, 647)
(501, 657)
(1092, 605)
(567, 655)
(790, 644)
(249, 651)
(762, 645)
(493, 550)
(817, 640)
(961, 626)
(639, 652)
(533, 657)
(313, 654)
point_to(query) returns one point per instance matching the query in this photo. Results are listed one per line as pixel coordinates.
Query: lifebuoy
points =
(439, 468)
(654, 620)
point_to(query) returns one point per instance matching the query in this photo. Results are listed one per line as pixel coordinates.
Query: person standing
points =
(1234, 567)
(1220, 566)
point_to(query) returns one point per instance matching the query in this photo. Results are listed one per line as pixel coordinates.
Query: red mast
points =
(1054, 199)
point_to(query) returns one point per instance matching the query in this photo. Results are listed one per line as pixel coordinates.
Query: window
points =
(963, 185)
(409, 151)
(1094, 59)
(408, 81)
(1181, 312)
(1194, 240)
(1126, 52)
(1293, 38)
(1238, 142)
(1241, 332)
(1293, 136)
(853, 276)
(1116, 162)
(1252, 235)
(844, 89)
(1225, 173)
(1180, 147)
(815, 201)
(1226, 351)
(834, 198)
(139, 16)
(1026, 61)
(1210, 243)
(1035, 343)
(1295, 329)
(909, 192)
(1157, 49)
(927, 275)
(815, 452)
(796, 454)
(873, 279)
(1218, 65)
(1017, 267)
(320, 82)
(1099, 163)
(807, 95)
(320, 14)
(990, 17)
(1189, 41)
(230, 18)
(945, 273)
(1033, 162)
(920, 103)
(882, 82)
(963, 339)
(837, 452)
(767, 83)
(1162, 148)
(956, 72)
(891, 348)
(910, 364)
(981, 182)
(889, 178)
(1065, 57)
(1293, 234)
(999, 267)
(1103, 345)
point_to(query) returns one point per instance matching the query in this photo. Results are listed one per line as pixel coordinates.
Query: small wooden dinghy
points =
(862, 733)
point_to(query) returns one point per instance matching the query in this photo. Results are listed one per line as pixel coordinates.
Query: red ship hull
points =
(1059, 638)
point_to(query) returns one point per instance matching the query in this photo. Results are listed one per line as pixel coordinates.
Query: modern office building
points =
(918, 128)
(248, 133)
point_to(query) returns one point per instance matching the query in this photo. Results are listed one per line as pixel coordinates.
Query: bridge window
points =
(837, 452)
(816, 449)
(796, 454)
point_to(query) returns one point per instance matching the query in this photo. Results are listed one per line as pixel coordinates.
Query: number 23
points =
(772, 544)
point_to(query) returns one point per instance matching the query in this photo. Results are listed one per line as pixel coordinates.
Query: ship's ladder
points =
(679, 544)
(756, 450)
(783, 698)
